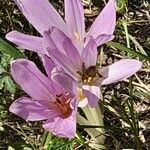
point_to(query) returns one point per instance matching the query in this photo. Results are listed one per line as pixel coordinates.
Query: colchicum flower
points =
(48, 101)
(42, 15)
(82, 68)
(70, 47)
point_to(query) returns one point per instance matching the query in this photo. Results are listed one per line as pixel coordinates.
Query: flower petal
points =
(61, 60)
(30, 110)
(59, 57)
(48, 64)
(61, 78)
(103, 38)
(26, 41)
(120, 70)
(90, 53)
(92, 93)
(64, 44)
(74, 16)
(62, 127)
(41, 14)
(31, 80)
(105, 22)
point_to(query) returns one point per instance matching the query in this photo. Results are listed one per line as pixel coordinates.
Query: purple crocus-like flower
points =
(48, 101)
(42, 15)
(71, 47)
(82, 68)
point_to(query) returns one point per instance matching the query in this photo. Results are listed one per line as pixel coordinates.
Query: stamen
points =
(80, 94)
(77, 36)
(85, 81)
(89, 79)
(67, 94)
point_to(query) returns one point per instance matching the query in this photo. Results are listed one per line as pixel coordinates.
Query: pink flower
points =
(81, 66)
(42, 15)
(71, 47)
(48, 101)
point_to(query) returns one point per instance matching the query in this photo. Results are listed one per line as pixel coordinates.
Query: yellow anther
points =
(85, 81)
(80, 94)
(89, 79)
(77, 36)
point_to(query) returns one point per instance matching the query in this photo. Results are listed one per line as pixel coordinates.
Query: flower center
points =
(89, 75)
(63, 105)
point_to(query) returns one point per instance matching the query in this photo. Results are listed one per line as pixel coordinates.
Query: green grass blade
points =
(8, 49)
(128, 50)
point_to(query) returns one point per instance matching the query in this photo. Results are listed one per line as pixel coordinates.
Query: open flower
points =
(42, 15)
(82, 68)
(48, 101)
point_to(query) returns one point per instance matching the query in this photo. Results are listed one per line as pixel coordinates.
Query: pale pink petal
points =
(105, 22)
(48, 64)
(103, 38)
(31, 80)
(26, 41)
(90, 53)
(62, 127)
(64, 44)
(41, 14)
(31, 110)
(61, 60)
(74, 16)
(92, 93)
(59, 57)
(120, 70)
(61, 78)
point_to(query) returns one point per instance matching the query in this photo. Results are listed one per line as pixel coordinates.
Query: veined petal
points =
(48, 41)
(120, 70)
(26, 41)
(90, 53)
(65, 45)
(74, 16)
(31, 80)
(41, 14)
(103, 38)
(106, 21)
(59, 57)
(62, 127)
(92, 93)
(31, 110)
(48, 65)
(61, 60)
(61, 78)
